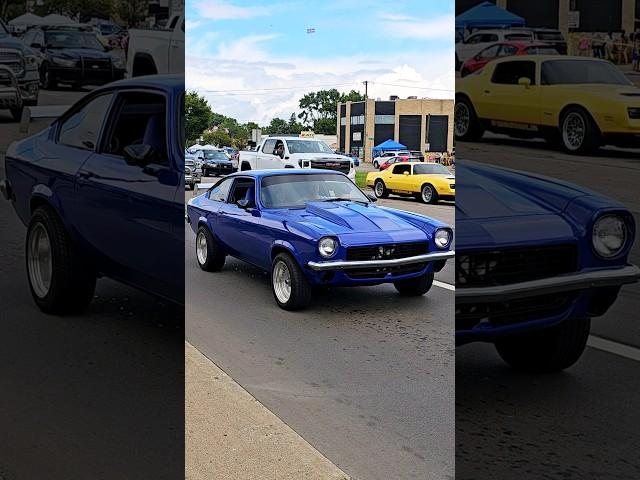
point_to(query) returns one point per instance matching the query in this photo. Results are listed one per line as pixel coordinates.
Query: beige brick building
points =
(419, 124)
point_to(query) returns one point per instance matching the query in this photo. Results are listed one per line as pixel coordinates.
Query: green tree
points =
(218, 137)
(131, 12)
(325, 126)
(197, 116)
(294, 126)
(278, 126)
(319, 109)
(82, 9)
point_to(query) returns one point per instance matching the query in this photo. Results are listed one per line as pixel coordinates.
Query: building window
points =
(357, 120)
(385, 119)
(343, 121)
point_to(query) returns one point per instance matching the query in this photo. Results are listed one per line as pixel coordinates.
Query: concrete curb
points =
(230, 435)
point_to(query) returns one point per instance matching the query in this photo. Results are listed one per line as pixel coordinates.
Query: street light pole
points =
(364, 127)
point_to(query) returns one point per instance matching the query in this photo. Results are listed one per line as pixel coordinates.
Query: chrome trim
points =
(561, 283)
(348, 265)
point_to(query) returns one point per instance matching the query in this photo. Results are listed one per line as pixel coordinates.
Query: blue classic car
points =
(101, 191)
(536, 260)
(314, 228)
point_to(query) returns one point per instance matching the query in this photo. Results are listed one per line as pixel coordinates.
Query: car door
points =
(504, 101)
(240, 228)
(398, 180)
(176, 48)
(135, 197)
(266, 157)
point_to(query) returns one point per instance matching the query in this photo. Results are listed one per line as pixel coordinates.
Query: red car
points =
(504, 49)
(391, 160)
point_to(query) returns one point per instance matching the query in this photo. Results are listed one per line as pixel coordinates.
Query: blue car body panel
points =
(124, 218)
(256, 236)
(500, 209)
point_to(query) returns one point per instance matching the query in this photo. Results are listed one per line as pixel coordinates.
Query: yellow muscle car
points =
(428, 182)
(580, 103)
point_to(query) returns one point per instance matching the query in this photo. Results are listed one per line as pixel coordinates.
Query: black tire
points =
(458, 63)
(376, 164)
(214, 257)
(46, 79)
(16, 113)
(590, 135)
(415, 287)
(473, 130)
(464, 72)
(205, 172)
(428, 194)
(380, 189)
(300, 295)
(548, 350)
(73, 281)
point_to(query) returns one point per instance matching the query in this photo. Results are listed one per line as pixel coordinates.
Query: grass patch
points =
(361, 179)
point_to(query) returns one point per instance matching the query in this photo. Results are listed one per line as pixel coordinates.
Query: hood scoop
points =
(324, 210)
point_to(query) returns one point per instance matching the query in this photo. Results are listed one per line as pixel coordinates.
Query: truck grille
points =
(514, 265)
(343, 166)
(387, 252)
(13, 59)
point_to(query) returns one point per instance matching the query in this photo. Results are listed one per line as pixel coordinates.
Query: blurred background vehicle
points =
(504, 49)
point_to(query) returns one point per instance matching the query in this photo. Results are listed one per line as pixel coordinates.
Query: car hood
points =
(320, 156)
(349, 220)
(77, 53)
(500, 207)
(11, 42)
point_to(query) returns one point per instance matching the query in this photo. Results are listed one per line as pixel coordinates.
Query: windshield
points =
(73, 40)
(562, 72)
(215, 155)
(294, 191)
(430, 169)
(308, 146)
(538, 50)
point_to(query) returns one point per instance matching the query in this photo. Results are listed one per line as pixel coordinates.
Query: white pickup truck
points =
(295, 152)
(158, 50)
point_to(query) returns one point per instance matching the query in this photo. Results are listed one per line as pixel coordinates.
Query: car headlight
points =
(609, 235)
(64, 62)
(31, 61)
(327, 246)
(442, 238)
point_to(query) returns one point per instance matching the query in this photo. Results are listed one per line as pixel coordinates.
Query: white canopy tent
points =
(56, 19)
(27, 19)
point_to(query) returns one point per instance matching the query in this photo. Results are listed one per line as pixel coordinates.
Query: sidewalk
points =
(230, 435)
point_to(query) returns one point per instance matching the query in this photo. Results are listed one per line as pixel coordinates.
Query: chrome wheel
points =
(201, 248)
(39, 260)
(379, 190)
(462, 119)
(573, 131)
(427, 194)
(281, 279)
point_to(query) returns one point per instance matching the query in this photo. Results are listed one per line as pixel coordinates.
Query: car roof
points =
(282, 171)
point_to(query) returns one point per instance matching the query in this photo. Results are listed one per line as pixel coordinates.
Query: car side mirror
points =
(139, 154)
(405, 173)
(373, 198)
(524, 81)
(245, 204)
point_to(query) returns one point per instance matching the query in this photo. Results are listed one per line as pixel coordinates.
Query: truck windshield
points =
(308, 146)
(71, 39)
(294, 191)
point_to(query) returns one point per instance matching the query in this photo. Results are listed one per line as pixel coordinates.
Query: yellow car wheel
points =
(380, 189)
(428, 194)
(467, 127)
(579, 133)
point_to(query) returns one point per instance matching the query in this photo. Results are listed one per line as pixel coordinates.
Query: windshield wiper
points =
(342, 199)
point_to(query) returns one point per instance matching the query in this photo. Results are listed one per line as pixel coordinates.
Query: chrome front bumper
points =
(561, 283)
(349, 265)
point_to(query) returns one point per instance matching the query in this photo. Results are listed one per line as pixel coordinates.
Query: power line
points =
(280, 88)
(412, 86)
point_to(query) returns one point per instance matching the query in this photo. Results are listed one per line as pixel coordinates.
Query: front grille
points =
(98, 64)
(504, 267)
(387, 252)
(13, 60)
(499, 314)
(343, 166)
(382, 272)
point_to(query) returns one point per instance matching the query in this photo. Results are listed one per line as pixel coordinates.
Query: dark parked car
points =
(312, 227)
(101, 192)
(536, 259)
(73, 56)
(19, 78)
(216, 162)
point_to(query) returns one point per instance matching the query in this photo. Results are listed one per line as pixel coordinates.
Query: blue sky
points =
(247, 56)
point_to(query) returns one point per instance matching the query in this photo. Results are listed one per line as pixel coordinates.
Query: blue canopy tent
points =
(386, 146)
(488, 15)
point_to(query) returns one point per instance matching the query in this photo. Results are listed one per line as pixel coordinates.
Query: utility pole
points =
(364, 127)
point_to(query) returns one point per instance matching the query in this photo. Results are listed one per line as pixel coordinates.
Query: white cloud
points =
(225, 10)
(402, 26)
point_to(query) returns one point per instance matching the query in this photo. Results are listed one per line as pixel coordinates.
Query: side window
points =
(140, 119)
(475, 39)
(268, 146)
(400, 169)
(490, 52)
(508, 73)
(220, 191)
(243, 189)
(82, 128)
(507, 50)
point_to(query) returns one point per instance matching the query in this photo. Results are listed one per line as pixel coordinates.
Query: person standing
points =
(608, 46)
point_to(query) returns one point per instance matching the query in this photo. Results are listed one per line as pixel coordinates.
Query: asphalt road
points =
(578, 424)
(99, 395)
(364, 376)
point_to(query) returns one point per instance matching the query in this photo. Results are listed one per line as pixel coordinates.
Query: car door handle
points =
(487, 91)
